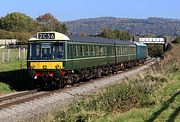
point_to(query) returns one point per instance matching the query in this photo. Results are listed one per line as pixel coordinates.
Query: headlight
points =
(35, 77)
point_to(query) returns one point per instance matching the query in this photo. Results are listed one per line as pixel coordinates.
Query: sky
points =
(66, 10)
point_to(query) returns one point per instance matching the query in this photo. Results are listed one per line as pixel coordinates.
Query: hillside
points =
(152, 25)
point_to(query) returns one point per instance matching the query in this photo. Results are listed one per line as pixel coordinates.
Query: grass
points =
(10, 70)
(4, 88)
(14, 63)
(166, 108)
(151, 96)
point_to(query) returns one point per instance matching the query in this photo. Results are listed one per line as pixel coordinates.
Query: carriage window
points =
(97, 50)
(120, 50)
(80, 50)
(125, 50)
(105, 50)
(132, 50)
(112, 50)
(91, 50)
(117, 50)
(86, 50)
(76, 50)
(101, 50)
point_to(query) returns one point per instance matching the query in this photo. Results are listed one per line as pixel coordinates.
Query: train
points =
(58, 59)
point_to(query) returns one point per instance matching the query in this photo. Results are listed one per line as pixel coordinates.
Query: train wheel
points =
(99, 72)
(61, 83)
(70, 79)
(40, 84)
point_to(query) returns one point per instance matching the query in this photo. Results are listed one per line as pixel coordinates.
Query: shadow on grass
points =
(165, 105)
(18, 79)
(174, 115)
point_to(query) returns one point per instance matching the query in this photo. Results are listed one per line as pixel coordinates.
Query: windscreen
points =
(45, 51)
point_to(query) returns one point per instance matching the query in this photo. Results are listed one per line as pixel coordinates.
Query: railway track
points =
(8, 101)
(19, 98)
(9, 97)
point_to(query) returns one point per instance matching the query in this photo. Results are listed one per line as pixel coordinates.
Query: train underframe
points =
(78, 75)
(60, 78)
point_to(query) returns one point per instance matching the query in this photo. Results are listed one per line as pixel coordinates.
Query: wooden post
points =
(24, 52)
(9, 55)
(20, 66)
(3, 56)
(19, 56)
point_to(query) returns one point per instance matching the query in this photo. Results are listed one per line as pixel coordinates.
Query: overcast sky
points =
(65, 10)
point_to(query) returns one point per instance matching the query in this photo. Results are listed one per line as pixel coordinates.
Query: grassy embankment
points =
(150, 96)
(7, 69)
(14, 63)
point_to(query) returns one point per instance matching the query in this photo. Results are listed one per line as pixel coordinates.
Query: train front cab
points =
(45, 61)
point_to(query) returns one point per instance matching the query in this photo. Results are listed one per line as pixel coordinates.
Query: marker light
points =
(57, 66)
(44, 66)
(32, 66)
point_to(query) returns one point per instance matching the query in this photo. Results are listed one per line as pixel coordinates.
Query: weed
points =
(4, 88)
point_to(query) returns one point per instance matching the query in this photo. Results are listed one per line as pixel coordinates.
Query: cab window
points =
(46, 50)
(58, 50)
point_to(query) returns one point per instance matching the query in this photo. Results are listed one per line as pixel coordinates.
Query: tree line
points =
(115, 34)
(20, 26)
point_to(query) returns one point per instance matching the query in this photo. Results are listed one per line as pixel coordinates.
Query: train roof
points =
(53, 36)
(140, 44)
(89, 39)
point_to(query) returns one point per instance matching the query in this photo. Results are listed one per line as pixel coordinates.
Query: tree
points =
(18, 22)
(115, 34)
(64, 28)
(1, 27)
(21, 36)
(48, 22)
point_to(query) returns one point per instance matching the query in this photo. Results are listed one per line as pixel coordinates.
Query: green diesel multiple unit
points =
(63, 59)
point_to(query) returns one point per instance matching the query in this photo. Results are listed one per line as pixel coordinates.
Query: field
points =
(151, 96)
(14, 62)
(11, 69)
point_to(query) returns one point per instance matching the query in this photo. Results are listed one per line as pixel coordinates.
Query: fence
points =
(13, 54)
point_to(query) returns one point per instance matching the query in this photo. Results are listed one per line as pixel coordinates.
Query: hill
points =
(152, 25)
